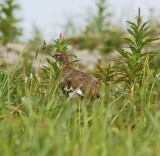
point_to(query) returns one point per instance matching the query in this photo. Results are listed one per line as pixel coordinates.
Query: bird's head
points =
(58, 56)
(62, 57)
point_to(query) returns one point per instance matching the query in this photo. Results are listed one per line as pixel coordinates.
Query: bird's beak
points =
(55, 56)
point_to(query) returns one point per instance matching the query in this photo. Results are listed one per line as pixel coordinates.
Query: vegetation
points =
(37, 119)
(99, 32)
(8, 22)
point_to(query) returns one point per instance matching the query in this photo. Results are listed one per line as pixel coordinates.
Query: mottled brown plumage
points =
(75, 81)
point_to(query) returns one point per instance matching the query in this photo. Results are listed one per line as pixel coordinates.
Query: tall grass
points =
(37, 119)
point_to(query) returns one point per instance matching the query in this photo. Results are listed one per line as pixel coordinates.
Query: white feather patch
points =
(68, 89)
(78, 91)
(74, 93)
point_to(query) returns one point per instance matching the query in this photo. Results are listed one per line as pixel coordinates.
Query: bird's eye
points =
(56, 56)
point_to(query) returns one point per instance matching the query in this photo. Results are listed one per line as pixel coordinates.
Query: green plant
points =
(53, 70)
(35, 117)
(3, 84)
(135, 66)
(60, 45)
(97, 30)
(106, 75)
(8, 21)
(100, 22)
(99, 34)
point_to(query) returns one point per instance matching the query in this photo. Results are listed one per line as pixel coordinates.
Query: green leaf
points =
(135, 30)
(131, 32)
(133, 49)
(145, 29)
(147, 34)
(131, 23)
(73, 55)
(130, 41)
(123, 53)
(75, 61)
(147, 41)
(142, 27)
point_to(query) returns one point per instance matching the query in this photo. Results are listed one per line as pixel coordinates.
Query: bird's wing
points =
(81, 83)
(79, 78)
(72, 86)
(85, 83)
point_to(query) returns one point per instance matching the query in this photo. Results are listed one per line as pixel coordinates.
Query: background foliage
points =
(37, 119)
(8, 22)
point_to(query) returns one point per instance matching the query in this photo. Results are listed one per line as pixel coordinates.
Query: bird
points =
(76, 83)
